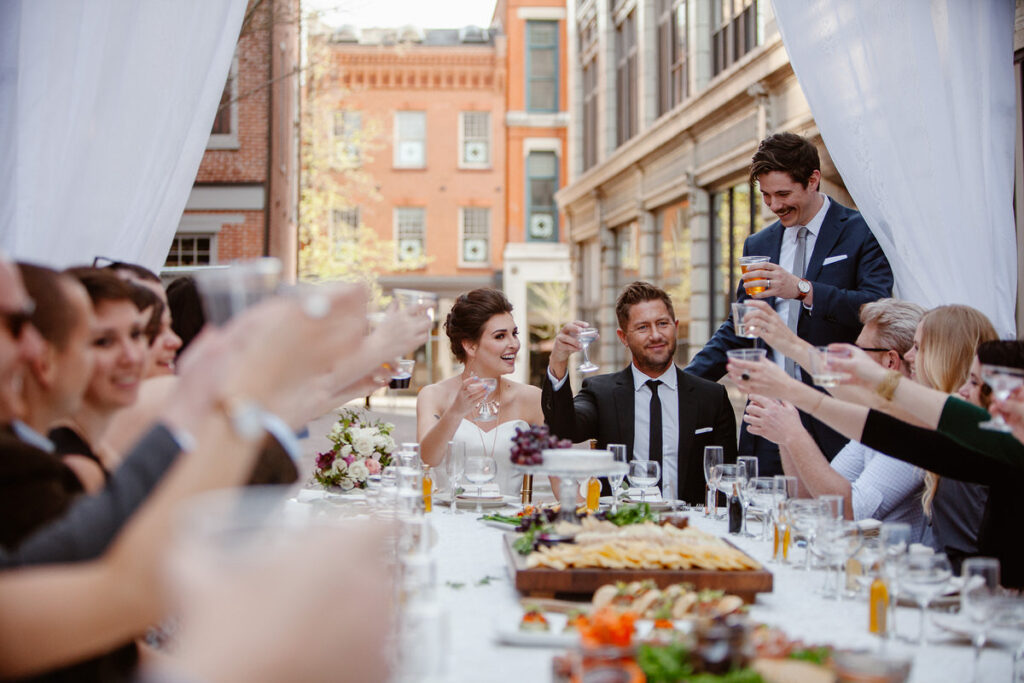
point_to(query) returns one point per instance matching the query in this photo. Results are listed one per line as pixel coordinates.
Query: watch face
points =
(804, 286)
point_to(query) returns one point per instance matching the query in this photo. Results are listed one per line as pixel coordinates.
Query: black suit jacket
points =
(857, 272)
(603, 410)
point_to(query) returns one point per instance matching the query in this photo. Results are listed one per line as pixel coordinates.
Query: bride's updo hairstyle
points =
(469, 314)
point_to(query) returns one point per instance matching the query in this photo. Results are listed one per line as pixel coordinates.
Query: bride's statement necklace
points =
(497, 423)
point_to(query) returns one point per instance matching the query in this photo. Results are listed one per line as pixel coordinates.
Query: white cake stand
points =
(570, 481)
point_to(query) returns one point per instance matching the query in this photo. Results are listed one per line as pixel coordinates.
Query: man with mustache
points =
(654, 408)
(824, 265)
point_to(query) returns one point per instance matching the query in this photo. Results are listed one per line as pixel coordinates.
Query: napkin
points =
(653, 494)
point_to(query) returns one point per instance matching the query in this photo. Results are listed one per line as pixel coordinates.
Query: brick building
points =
(244, 203)
(462, 138)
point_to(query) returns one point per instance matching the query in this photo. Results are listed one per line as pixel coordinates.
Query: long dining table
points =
(479, 601)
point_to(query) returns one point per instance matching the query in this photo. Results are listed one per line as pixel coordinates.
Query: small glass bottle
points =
(878, 606)
(593, 494)
(428, 489)
(735, 511)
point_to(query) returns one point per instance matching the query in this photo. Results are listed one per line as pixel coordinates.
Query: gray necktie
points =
(792, 368)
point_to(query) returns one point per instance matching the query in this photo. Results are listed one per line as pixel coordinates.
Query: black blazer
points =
(603, 410)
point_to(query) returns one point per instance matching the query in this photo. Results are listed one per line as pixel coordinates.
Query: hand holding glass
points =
(1003, 381)
(485, 411)
(586, 337)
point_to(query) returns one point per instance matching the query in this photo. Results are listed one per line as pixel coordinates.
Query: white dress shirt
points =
(787, 257)
(668, 393)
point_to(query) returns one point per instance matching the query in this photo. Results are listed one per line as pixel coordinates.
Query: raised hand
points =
(566, 343)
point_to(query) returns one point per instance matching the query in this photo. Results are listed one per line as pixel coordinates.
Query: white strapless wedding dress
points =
(498, 443)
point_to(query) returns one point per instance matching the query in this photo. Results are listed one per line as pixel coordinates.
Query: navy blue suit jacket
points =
(857, 273)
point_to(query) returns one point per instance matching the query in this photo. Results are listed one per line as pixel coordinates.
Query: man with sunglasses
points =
(873, 484)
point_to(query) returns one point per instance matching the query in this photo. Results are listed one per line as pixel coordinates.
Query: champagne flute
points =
(618, 452)
(979, 599)
(484, 411)
(454, 464)
(923, 578)
(586, 337)
(713, 455)
(749, 463)
(1003, 381)
(480, 470)
(642, 474)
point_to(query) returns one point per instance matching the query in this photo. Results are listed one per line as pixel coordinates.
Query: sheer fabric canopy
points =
(105, 110)
(915, 102)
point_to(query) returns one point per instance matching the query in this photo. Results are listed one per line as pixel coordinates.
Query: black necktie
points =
(654, 445)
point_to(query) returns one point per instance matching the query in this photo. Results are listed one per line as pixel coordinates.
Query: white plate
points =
(486, 503)
(962, 626)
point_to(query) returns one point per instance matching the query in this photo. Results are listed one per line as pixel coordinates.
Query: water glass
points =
(454, 465)
(408, 298)
(762, 492)
(894, 539)
(752, 355)
(822, 372)
(805, 514)
(789, 486)
(643, 474)
(480, 469)
(587, 336)
(834, 504)
(923, 578)
(739, 311)
(839, 541)
(979, 600)
(227, 291)
(618, 452)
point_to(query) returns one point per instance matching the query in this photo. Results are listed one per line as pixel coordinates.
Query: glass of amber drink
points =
(753, 287)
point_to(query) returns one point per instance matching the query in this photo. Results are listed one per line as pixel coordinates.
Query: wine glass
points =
(923, 578)
(894, 539)
(979, 599)
(618, 452)
(1003, 381)
(586, 337)
(454, 464)
(642, 474)
(480, 470)
(727, 475)
(485, 412)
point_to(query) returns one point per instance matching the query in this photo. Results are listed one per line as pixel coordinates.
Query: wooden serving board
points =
(546, 582)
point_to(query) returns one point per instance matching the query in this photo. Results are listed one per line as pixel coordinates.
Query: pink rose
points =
(373, 466)
(349, 459)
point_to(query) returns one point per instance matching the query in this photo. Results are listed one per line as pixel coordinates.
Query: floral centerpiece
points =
(360, 448)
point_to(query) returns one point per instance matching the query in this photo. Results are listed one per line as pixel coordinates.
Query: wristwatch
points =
(804, 288)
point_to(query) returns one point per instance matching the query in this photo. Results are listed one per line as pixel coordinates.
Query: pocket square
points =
(702, 430)
(833, 259)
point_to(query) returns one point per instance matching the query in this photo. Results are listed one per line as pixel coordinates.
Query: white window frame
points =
(346, 151)
(463, 163)
(463, 263)
(398, 141)
(397, 233)
(229, 140)
(212, 236)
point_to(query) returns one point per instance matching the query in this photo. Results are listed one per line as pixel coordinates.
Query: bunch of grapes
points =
(528, 443)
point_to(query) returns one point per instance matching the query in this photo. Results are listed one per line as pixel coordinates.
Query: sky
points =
(396, 13)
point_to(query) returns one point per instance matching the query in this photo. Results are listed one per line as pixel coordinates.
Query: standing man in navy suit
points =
(825, 264)
(659, 412)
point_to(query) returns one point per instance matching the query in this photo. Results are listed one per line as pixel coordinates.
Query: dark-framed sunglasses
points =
(16, 320)
(870, 349)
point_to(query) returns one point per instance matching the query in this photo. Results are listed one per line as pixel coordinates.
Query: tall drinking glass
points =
(739, 311)
(923, 578)
(804, 517)
(834, 503)
(822, 372)
(480, 469)
(748, 468)
(642, 474)
(454, 464)
(762, 493)
(618, 452)
(894, 538)
(587, 336)
(1003, 381)
(713, 455)
(979, 599)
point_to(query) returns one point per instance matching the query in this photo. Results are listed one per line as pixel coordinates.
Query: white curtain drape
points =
(915, 102)
(105, 110)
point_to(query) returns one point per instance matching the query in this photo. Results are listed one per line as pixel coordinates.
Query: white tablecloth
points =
(468, 551)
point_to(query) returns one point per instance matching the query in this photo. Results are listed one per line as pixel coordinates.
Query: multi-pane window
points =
(346, 132)
(344, 223)
(542, 66)
(476, 139)
(410, 139)
(734, 32)
(735, 215)
(192, 250)
(673, 66)
(541, 184)
(410, 233)
(626, 78)
(476, 235)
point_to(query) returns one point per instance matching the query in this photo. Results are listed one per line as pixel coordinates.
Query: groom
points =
(654, 408)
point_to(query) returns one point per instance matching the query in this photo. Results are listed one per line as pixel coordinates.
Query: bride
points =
(485, 339)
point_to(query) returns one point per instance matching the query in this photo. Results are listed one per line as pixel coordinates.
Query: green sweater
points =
(959, 421)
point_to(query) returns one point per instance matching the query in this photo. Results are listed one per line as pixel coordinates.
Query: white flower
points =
(345, 451)
(346, 484)
(339, 466)
(337, 429)
(363, 443)
(358, 471)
